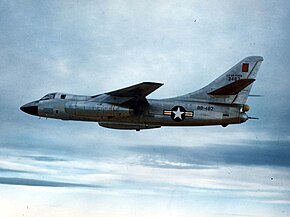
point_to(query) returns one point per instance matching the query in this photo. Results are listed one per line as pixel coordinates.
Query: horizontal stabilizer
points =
(233, 88)
(256, 95)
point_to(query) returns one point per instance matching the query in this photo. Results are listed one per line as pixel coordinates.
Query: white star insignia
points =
(177, 113)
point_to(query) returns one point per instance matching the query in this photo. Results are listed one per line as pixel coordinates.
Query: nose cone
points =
(30, 108)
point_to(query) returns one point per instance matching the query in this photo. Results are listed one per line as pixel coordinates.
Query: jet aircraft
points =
(222, 102)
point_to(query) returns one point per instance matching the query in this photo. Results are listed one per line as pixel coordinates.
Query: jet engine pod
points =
(245, 108)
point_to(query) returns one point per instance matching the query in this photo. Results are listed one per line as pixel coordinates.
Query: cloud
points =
(94, 47)
(45, 158)
(43, 183)
(6, 170)
(258, 153)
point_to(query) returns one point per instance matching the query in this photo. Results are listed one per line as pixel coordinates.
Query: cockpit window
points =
(48, 96)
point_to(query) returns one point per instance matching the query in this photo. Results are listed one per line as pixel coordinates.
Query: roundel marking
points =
(178, 113)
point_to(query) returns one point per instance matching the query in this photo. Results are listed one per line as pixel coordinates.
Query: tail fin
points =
(232, 87)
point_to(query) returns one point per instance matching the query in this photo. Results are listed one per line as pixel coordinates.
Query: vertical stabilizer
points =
(232, 87)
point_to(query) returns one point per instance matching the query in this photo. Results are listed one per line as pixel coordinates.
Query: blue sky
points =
(57, 168)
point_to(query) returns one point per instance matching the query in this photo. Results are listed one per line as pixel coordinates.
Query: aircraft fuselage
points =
(221, 102)
(157, 113)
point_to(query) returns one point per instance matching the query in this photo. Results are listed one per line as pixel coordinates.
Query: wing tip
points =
(152, 83)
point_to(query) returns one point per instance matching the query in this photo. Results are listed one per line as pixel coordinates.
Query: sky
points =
(66, 168)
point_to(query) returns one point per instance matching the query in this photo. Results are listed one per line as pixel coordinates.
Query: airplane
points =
(222, 102)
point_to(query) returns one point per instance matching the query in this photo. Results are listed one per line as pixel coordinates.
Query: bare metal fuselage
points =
(81, 109)
(222, 102)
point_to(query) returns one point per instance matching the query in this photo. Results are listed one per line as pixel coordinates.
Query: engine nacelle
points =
(95, 109)
(245, 108)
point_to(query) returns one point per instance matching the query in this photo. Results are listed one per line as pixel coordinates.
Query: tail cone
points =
(243, 117)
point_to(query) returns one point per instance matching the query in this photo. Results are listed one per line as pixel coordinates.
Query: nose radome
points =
(30, 108)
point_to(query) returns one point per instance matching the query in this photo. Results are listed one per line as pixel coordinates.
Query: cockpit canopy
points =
(64, 96)
(48, 96)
